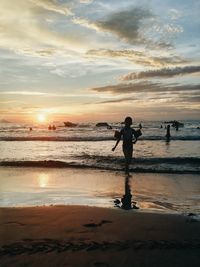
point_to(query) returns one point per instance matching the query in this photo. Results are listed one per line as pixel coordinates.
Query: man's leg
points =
(128, 157)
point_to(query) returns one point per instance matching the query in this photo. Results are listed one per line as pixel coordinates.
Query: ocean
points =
(87, 146)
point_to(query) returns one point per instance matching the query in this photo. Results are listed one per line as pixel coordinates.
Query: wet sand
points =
(170, 193)
(90, 236)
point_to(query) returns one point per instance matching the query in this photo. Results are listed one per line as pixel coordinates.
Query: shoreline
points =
(188, 216)
(56, 164)
(90, 236)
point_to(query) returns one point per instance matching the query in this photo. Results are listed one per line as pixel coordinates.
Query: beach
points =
(91, 236)
(95, 232)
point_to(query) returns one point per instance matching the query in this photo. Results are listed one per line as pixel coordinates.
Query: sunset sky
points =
(87, 60)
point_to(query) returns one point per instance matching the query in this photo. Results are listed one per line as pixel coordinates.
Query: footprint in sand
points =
(101, 264)
(96, 224)
(17, 223)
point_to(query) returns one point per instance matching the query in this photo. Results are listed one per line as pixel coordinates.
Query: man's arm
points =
(113, 149)
(118, 140)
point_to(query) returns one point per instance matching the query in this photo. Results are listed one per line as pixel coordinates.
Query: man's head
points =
(128, 121)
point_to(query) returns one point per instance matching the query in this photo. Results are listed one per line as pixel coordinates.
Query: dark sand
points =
(89, 236)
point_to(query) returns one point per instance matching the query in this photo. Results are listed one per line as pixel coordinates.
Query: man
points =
(127, 133)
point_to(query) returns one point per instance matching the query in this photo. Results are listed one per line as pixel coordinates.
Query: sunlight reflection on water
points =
(158, 192)
(43, 179)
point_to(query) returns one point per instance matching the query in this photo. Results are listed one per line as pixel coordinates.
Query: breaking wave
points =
(91, 138)
(151, 165)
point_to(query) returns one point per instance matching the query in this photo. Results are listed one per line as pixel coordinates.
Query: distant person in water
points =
(168, 135)
(127, 133)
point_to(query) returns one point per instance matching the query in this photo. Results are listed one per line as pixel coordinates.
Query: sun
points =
(41, 117)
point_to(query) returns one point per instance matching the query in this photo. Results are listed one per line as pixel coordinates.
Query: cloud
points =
(23, 26)
(137, 57)
(139, 26)
(119, 100)
(85, 23)
(52, 5)
(146, 87)
(191, 99)
(168, 28)
(45, 94)
(136, 26)
(175, 14)
(126, 24)
(163, 98)
(45, 52)
(10, 102)
(152, 93)
(27, 93)
(86, 1)
(165, 73)
(128, 88)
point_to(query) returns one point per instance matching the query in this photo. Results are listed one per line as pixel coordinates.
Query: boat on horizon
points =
(103, 124)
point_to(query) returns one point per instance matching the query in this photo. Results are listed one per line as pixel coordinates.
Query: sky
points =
(90, 60)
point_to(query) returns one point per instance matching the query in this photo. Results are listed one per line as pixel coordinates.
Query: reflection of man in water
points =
(126, 202)
(126, 199)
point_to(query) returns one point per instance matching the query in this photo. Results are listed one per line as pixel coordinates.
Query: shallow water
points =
(151, 192)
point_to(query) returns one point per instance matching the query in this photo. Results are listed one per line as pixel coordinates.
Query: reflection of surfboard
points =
(138, 133)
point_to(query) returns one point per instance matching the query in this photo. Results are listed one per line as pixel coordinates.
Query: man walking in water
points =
(127, 133)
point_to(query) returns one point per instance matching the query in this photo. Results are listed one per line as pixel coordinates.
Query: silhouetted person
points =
(168, 133)
(49, 128)
(127, 133)
(126, 201)
(54, 127)
(140, 126)
(161, 126)
(30, 129)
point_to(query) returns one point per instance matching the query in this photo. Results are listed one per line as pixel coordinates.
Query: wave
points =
(92, 138)
(55, 138)
(146, 165)
(145, 161)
